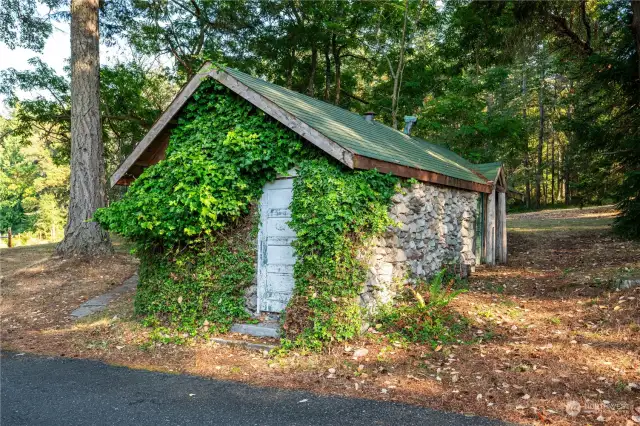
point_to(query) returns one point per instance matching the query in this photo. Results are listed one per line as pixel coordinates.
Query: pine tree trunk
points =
(566, 156)
(397, 76)
(82, 236)
(553, 169)
(553, 146)
(338, 69)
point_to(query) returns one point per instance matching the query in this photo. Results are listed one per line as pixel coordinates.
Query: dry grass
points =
(13, 259)
(554, 331)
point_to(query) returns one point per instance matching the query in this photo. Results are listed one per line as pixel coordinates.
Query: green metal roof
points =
(366, 138)
(488, 170)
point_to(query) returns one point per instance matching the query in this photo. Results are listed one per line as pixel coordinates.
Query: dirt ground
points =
(552, 328)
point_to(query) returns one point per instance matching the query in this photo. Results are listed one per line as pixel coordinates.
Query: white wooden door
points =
(275, 254)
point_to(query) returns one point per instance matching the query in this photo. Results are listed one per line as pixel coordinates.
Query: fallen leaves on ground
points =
(553, 336)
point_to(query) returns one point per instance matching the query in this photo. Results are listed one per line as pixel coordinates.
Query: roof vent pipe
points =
(409, 121)
(369, 115)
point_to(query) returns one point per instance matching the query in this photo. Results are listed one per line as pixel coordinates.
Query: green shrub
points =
(423, 314)
(199, 287)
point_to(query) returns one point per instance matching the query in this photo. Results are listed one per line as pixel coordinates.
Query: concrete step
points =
(263, 329)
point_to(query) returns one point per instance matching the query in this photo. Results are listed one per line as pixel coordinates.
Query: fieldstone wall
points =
(436, 229)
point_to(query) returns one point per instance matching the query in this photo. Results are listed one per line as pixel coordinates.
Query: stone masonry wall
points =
(436, 229)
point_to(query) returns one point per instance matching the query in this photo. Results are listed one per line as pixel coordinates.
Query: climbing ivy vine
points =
(334, 213)
(219, 157)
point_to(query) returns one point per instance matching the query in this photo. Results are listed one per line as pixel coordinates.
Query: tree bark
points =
(83, 236)
(635, 29)
(526, 147)
(337, 63)
(540, 139)
(397, 76)
(312, 72)
(565, 157)
(327, 71)
(553, 145)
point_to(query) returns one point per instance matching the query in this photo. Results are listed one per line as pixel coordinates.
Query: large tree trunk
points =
(83, 236)
(566, 156)
(526, 148)
(553, 145)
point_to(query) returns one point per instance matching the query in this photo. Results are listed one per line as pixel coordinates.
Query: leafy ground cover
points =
(547, 329)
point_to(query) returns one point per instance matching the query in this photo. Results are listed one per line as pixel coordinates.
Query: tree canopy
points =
(549, 88)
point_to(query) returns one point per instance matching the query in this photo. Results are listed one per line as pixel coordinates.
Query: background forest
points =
(549, 88)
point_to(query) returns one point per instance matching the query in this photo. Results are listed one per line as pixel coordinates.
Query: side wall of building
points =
(436, 230)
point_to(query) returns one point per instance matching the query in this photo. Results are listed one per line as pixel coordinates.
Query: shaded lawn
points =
(563, 220)
(12, 259)
(549, 329)
(16, 258)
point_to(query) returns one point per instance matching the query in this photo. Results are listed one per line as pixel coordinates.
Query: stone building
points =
(453, 214)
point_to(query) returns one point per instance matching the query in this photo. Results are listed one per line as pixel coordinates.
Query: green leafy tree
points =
(131, 98)
(33, 190)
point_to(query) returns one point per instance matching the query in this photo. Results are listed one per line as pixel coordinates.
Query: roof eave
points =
(118, 177)
(366, 163)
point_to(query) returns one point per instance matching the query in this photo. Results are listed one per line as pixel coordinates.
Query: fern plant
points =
(425, 317)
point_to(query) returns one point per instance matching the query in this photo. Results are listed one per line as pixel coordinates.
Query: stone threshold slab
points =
(261, 347)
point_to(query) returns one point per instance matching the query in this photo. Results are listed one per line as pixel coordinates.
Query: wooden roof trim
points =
(366, 163)
(318, 139)
(178, 102)
(477, 173)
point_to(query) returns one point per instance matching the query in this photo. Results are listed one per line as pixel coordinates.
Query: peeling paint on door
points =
(275, 254)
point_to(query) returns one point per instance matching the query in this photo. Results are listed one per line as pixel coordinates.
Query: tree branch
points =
(352, 96)
(561, 27)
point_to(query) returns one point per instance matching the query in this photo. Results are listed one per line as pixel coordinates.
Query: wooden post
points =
(501, 228)
(490, 230)
(9, 238)
(479, 230)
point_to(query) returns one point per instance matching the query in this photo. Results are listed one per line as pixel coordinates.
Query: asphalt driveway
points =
(57, 391)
